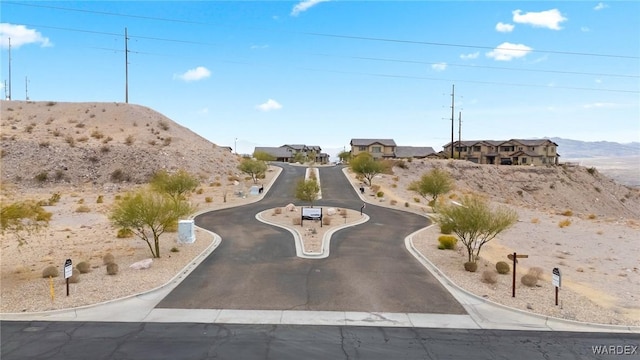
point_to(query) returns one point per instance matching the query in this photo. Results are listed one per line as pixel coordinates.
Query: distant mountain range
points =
(575, 149)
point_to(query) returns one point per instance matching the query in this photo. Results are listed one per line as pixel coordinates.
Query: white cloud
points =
(600, 105)
(549, 19)
(439, 66)
(304, 6)
(600, 6)
(21, 35)
(508, 51)
(470, 56)
(504, 28)
(196, 74)
(269, 105)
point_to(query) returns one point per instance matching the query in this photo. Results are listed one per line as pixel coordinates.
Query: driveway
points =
(255, 267)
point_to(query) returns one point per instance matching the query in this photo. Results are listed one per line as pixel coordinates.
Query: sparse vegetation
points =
(163, 124)
(119, 175)
(100, 199)
(112, 269)
(174, 249)
(380, 194)
(83, 209)
(42, 176)
(129, 140)
(502, 267)
(326, 220)
(96, 134)
(208, 199)
(567, 213)
(564, 223)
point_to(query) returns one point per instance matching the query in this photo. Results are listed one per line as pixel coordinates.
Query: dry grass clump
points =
(50, 271)
(83, 209)
(567, 213)
(564, 223)
(75, 277)
(326, 220)
(124, 233)
(96, 134)
(108, 259)
(470, 266)
(535, 221)
(296, 221)
(208, 199)
(591, 216)
(489, 277)
(83, 267)
(536, 271)
(529, 280)
(129, 140)
(393, 202)
(112, 269)
(502, 267)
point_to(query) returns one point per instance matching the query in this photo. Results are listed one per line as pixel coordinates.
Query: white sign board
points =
(556, 277)
(68, 269)
(311, 213)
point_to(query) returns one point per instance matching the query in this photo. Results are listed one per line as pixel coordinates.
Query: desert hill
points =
(47, 143)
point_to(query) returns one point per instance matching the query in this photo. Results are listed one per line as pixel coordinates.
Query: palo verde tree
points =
(148, 214)
(365, 165)
(307, 190)
(344, 156)
(475, 222)
(434, 183)
(22, 219)
(254, 168)
(263, 156)
(176, 185)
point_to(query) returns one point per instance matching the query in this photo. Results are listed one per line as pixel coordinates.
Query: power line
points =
(340, 36)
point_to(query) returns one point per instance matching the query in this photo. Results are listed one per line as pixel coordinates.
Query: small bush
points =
(489, 277)
(44, 144)
(470, 266)
(394, 185)
(446, 229)
(42, 177)
(174, 249)
(55, 197)
(129, 140)
(70, 140)
(401, 164)
(208, 199)
(112, 269)
(447, 242)
(119, 176)
(75, 277)
(326, 220)
(567, 213)
(163, 125)
(536, 271)
(166, 141)
(124, 233)
(343, 213)
(277, 211)
(529, 280)
(416, 199)
(84, 267)
(83, 209)
(108, 259)
(100, 199)
(50, 271)
(97, 134)
(502, 267)
(592, 170)
(535, 221)
(592, 216)
(564, 223)
(380, 194)
(200, 191)
(296, 221)
(406, 204)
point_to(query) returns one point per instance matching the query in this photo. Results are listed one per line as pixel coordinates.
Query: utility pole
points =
(26, 88)
(9, 94)
(459, 133)
(453, 92)
(126, 67)
(6, 94)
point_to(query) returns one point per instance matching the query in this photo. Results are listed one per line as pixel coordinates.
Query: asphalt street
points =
(255, 266)
(159, 341)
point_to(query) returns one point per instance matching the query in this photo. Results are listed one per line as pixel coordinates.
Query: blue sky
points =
(322, 72)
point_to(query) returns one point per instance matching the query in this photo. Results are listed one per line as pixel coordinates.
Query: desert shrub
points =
(326, 220)
(75, 277)
(208, 199)
(447, 242)
(394, 185)
(166, 141)
(100, 199)
(406, 204)
(55, 197)
(502, 267)
(536, 271)
(200, 191)
(108, 259)
(401, 164)
(119, 176)
(152, 142)
(107, 139)
(296, 221)
(42, 176)
(59, 175)
(564, 223)
(529, 280)
(470, 266)
(112, 269)
(163, 125)
(81, 201)
(592, 216)
(277, 211)
(380, 194)
(96, 134)
(105, 149)
(489, 277)
(51, 103)
(44, 144)
(29, 129)
(83, 209)
(124, 233)
(129, 140)
(446, 228)
(84, 267)
(592, 170)
(396, 178)
(216, 184)
(567, 213)
(535, 221)
(50, 271)
(416, 199)
(174, 249)
(70, 140)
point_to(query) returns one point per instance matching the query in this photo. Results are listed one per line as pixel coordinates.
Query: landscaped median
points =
(312, 237)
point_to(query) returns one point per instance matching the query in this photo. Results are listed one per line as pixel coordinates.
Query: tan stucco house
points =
(378, 148)
(505, 152)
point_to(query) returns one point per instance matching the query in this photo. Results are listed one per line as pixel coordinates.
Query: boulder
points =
(142, 264)
(290, 207)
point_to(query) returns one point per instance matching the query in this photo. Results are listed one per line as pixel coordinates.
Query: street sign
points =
(515, 258)
(556, 279)
(68, 269)
(518, 256)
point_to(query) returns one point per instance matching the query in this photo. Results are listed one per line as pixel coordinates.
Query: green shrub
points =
(175, 249)
(124, 233)
(470, 266)
(50, 271)
(108, 259)
(83, 267)
(380, 194)
(446, 228)
(447, 242)
(112, 269)
(502, 267)
(208, 199)
(406, 204)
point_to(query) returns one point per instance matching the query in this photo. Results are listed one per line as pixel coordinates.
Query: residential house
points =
(505, 152)
(415, 152)
(378, 148)
(287, 153)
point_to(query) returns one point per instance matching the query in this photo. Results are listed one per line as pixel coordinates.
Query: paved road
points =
(256, 267)
(158, 341)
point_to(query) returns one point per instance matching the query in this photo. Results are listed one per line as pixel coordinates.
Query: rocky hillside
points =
(49, 143)
(556, 189)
